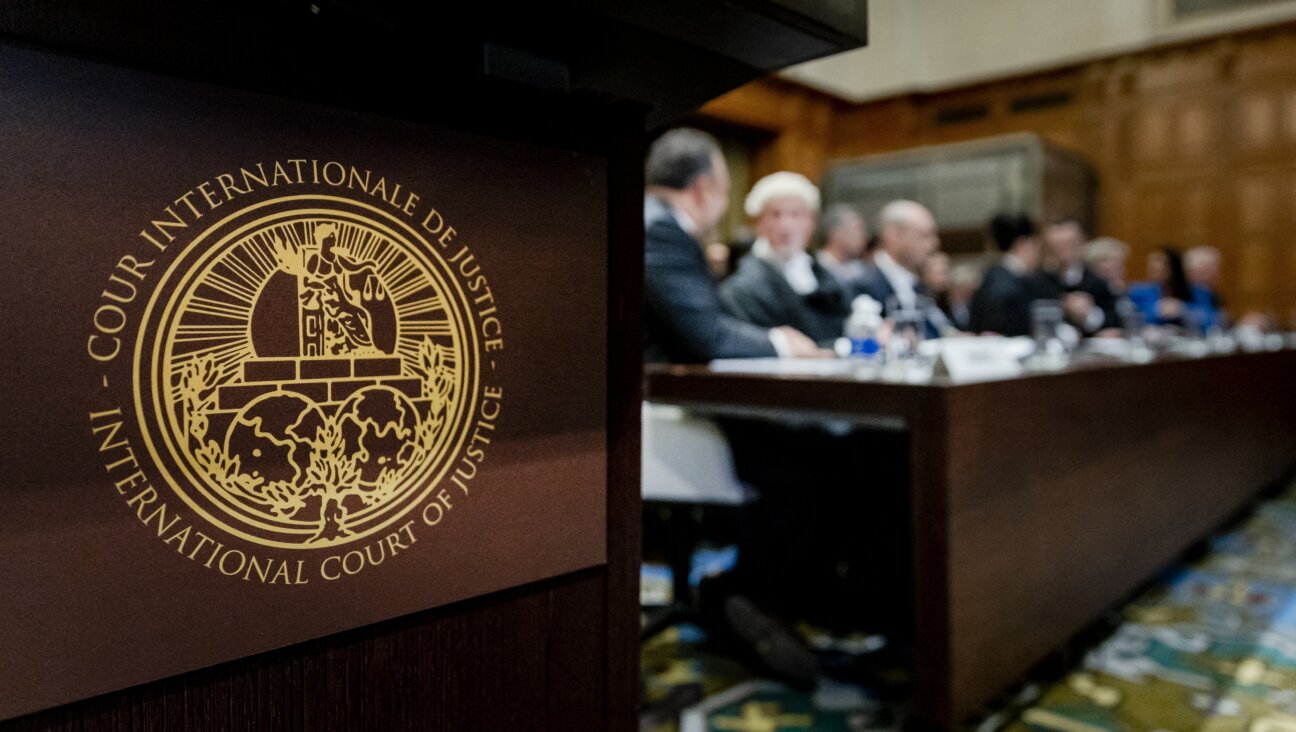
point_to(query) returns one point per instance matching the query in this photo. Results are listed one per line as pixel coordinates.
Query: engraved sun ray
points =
(200, 305)
(350, 237)
(421, 306)
(187, 332)
(408, 350)
(400, 271)
(369, 247)
(262, 255)
(385, 260)
(225, 372)
(403, 289)
(213, 349)
(238, 291)
(244, 268)
(420, 328)
(294, 235)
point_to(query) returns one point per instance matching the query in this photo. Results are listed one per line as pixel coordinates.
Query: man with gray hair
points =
(687, 195)
(1106, 257)
(845, 239)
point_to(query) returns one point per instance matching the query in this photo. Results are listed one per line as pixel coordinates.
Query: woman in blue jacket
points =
(1167, 298)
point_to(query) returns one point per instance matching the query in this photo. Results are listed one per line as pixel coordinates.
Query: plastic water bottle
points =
(862, 327)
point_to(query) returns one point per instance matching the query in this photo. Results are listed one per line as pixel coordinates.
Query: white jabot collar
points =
(797, 269)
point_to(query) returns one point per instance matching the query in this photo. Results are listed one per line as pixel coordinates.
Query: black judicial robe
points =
(758, 293)
(684, 321)
(1002, 303)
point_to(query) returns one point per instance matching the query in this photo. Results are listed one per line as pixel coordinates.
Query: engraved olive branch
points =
(333, 475)
(435, 368)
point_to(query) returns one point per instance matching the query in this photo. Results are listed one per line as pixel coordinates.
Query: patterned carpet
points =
(722, 694)
(1211, 648)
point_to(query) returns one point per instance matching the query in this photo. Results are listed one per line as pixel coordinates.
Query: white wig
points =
(782, 184)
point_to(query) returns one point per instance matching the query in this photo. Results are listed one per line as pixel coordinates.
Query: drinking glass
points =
(1046, 328)
(909, 327)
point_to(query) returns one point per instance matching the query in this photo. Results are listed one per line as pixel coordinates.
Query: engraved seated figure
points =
(349, 295)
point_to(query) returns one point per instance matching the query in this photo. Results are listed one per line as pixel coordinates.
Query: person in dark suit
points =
(1087, 301)
(686, 196)
(778, 283)
(813, 549)
(1002, 303)
(907, 237)
(1106, 257)
(844, 252)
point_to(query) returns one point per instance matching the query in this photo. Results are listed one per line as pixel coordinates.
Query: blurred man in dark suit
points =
(1087, 300)
(778, 282)
(687, 194)
(964, 280)
(845, 241)
(811, 547)
(908, 236)
(1106, 257)
(1002, 304)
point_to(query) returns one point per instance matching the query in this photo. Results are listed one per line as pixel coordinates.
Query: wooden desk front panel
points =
(1065, 493)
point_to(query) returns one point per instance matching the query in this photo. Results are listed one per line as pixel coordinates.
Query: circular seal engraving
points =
(304, 371)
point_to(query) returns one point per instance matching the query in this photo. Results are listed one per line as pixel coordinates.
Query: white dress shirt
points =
(797, 268)
(900, 278)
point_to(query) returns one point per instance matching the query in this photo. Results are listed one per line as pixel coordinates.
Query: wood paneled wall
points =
(1193, 144)
(798, 123)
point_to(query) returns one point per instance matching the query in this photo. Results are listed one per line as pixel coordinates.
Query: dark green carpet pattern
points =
(1210, 648)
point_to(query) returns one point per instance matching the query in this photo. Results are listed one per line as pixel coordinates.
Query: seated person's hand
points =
(800, 345)
(1077, 305)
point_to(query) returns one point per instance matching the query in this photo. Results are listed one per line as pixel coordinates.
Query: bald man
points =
(907, 236)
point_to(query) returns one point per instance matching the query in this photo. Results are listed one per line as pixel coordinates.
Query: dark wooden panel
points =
(1067, 492)
(1040, 502)
(522, 659)
(557, 655)
(625, 394)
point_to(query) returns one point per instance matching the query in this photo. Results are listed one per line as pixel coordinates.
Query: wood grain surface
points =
(1040, 502)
